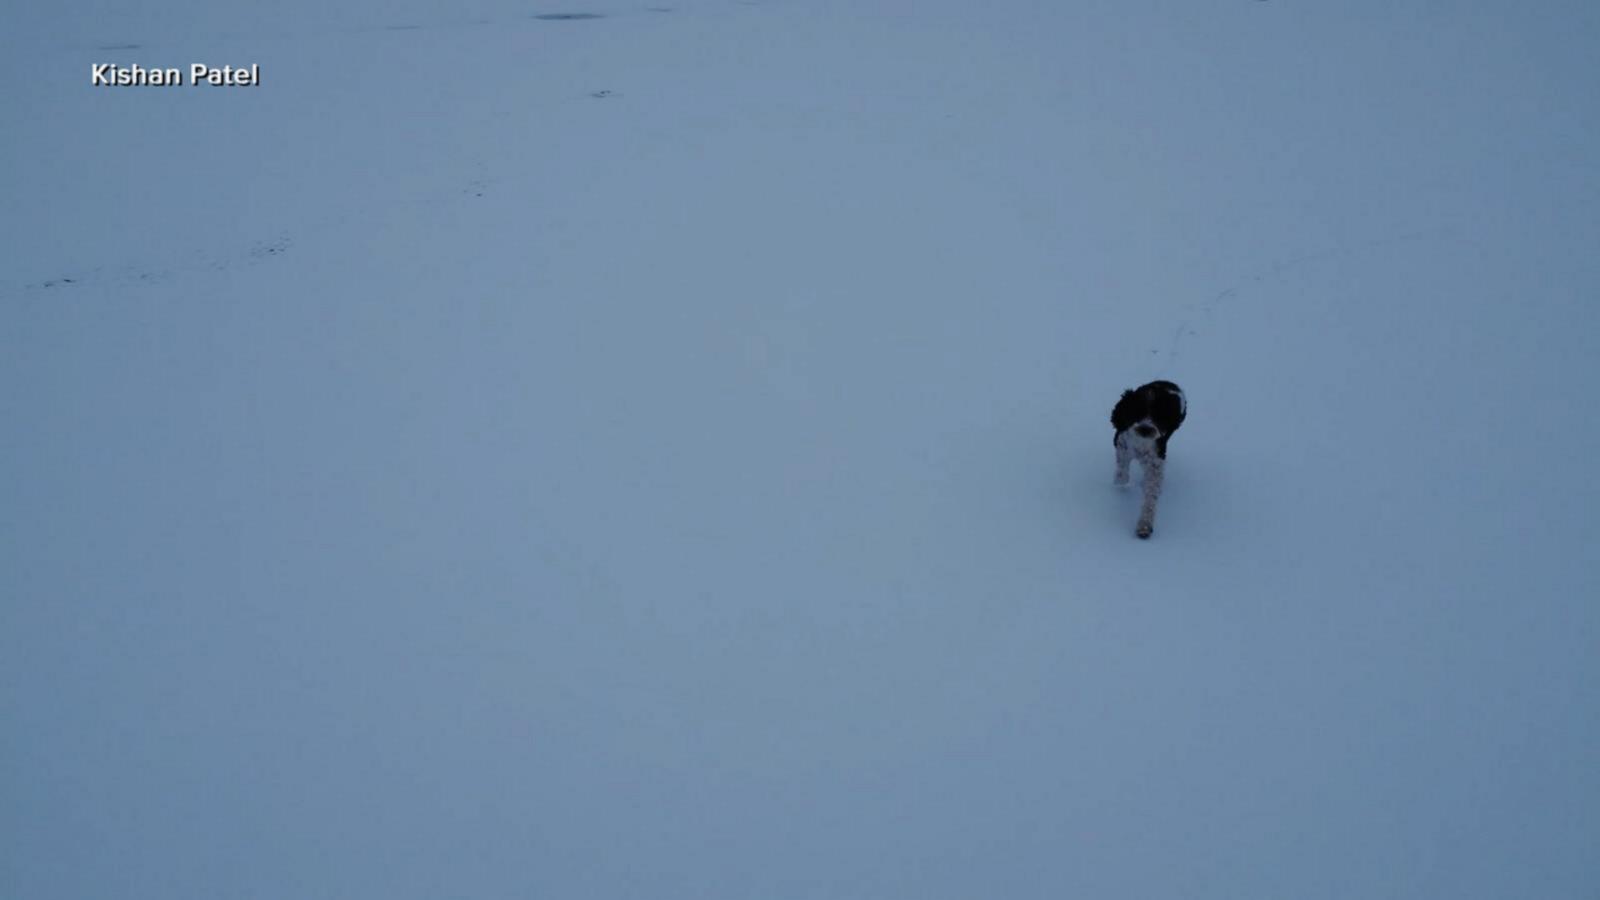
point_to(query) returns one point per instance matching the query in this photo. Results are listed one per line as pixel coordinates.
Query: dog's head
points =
(1151, 412)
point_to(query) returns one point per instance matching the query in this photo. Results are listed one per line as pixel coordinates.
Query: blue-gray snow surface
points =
(663, 452)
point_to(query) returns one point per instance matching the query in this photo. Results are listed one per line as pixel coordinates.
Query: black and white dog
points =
(1144, 419)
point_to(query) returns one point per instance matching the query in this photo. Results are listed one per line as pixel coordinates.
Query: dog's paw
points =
(1144, 529)
(1120, 481)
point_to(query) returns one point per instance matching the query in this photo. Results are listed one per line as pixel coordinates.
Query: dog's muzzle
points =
(1145, 431)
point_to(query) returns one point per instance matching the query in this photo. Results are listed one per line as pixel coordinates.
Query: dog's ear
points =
(1122, 415)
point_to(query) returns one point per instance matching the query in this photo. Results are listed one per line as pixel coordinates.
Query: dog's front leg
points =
(1152, 493)
(1124, 456)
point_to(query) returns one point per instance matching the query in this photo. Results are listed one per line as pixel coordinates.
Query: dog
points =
(1145, 418)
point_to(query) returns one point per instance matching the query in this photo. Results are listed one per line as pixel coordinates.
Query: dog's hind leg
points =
(1124, 456)
(1153, 467)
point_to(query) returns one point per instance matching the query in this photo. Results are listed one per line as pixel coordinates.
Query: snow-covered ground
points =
(665, 454)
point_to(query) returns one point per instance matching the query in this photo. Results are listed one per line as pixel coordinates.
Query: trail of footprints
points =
(256, 254)
(275, 248)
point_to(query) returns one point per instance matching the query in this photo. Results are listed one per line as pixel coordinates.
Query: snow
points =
(665, 454)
